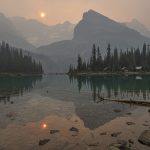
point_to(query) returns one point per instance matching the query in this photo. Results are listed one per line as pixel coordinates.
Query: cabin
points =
(124, 69)
(139, 68)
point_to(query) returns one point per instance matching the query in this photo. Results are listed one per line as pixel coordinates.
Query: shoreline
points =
(19, 74)
(80, 74)
(108, 73)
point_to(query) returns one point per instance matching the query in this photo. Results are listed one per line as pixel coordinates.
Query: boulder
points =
(117, 110)
(74, 129)
(130, 123)
(145, 138)
(54, 131)
(103, 133)
(115, 134)
(131, 141)
(120, 145)
(43, 142)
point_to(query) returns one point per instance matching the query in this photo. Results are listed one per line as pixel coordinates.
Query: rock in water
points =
(93, 144)
(131, 141)
(103, 133)
(43, 142)
(117, 110)
(11, 102)
(130, 123)
(115, 134)
(120, 145)
(145, 138)
(74, 129)
(54, 131)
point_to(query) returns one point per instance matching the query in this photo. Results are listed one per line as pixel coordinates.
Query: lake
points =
(31, 106)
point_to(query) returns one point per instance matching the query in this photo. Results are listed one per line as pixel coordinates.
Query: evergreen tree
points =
(93, 63)
(144, 61)
(137, 57)
(115, 60)
(99, 60)
(79, 65)
(108, 57)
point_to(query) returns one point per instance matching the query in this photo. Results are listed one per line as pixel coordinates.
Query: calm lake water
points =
(81, 91)
(28, 100)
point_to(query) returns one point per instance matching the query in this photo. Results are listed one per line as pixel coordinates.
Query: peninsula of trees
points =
(114, 61)
(13, 61)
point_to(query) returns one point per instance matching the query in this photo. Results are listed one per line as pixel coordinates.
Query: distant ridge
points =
(93, 28)
(39, 34)
(9, 33)
(138, 26)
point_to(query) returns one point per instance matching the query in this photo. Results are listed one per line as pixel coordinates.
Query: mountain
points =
(39, 34)
(97, 28)
(93, 28)
(136, 25)
(9, 33)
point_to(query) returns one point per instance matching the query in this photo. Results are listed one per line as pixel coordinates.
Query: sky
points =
(58, 11)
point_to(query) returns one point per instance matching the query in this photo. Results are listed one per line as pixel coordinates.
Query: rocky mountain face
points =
(93, 28)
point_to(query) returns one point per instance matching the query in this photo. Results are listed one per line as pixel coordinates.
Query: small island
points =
(130, 61)
(14, 61)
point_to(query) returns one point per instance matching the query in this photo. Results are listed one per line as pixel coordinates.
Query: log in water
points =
(131, 102)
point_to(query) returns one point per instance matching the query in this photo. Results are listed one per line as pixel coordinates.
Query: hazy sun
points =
(42, 14)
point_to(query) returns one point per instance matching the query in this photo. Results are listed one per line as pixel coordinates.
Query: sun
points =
(42, 14)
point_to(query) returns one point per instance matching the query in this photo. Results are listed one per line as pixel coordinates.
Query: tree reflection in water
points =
(115, 87)
(15, 86)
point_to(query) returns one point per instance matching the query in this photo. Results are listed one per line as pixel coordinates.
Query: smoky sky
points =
(58, 11)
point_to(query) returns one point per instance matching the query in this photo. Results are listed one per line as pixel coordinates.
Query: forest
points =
(134, 59)
(13, 60)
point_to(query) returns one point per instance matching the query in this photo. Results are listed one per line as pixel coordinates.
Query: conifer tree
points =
(99, 60)
(108, 57)
(79, 65)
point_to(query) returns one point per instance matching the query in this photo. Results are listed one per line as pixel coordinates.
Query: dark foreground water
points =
(38, 100)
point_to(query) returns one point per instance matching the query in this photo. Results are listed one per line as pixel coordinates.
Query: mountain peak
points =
(91, 11)
(138, 26)
(92, 14)
(67, 23)
(135, 21)
(94, 23)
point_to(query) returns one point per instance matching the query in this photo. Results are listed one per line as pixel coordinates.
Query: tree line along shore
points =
(130, 61)
(14, 61)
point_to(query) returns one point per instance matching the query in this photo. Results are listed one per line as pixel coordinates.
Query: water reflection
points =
(115, 87)
(15, 86)
(55, 96)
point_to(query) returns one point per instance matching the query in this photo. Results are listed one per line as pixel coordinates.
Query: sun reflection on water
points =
(44, 126)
